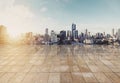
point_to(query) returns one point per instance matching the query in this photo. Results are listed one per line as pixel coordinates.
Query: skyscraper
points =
(113, 32)
(73, 29)
(53, 36)
(46, 31)
(75, 32)
(63, 34)
(68, 33)
(62, 37)
(86, 32)
(46, 37)
(73, 26)
(118, 34)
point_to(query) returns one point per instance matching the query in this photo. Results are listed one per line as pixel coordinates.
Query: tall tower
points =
(46, 31)
(118, 34)
(68, 33)
(86, 32)
(75, 34)
(113, 32)
(73, 29)
(53, 36)
(46, 38)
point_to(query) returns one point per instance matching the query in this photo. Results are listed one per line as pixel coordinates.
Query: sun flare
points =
(14, 33)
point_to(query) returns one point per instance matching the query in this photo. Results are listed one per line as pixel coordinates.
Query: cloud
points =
(19, 18)
(43, 9)
(62, 0)
(15, 17)
(6, 3)
(44, 3)
(113, 4)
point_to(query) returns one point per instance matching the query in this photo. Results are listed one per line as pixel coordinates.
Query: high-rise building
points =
(46, 37)
(118, 34)
(75, 32)
(46, 31)
(113, 32)
(63, 35)
(68, 33)
(86, 32)
(89, 34)
(3, 34)
(53, 37)
(104, 34)
(73, 29)
(73, 26)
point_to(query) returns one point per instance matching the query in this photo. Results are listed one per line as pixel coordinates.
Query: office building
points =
(86, 33)
(46, 37)
(53, 36)
(73, 29)
(113, 32)
(68, 33)
(118, 34)
(63, 35)
(75, 32)
(46, 31)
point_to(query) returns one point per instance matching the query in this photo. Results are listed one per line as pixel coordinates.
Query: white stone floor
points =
(59, 64)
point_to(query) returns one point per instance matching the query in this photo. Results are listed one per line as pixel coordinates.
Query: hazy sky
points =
(20, 16)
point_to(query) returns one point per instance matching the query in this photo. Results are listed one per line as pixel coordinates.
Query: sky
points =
(20, 16)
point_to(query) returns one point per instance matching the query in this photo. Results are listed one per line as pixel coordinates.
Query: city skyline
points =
(21, 16)
(72, 29)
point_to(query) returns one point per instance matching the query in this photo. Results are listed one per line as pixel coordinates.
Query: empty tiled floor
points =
(59, 64)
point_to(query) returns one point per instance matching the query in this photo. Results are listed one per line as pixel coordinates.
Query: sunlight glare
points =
(14, 33)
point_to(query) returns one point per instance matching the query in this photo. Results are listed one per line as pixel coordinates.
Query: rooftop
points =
(59, 64)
